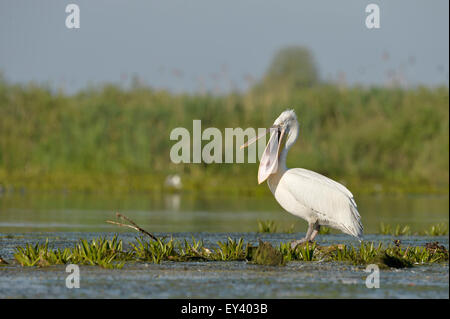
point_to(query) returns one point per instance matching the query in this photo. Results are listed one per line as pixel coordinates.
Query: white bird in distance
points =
(317, 199)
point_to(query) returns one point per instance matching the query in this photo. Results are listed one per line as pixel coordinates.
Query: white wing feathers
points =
(332, 202)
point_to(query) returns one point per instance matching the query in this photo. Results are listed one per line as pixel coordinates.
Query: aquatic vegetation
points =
(398, 230)
(303, 252)
(290, 230)
(40, 255)
(324, 230)
(266, 254)
(100, 252)
(154, 251)
(367, 253)
(270, 226)
(405, 230)
(437, 230)
(441, 229)
(267, 226)
(230, 250)
(196, 250)
(111, 253)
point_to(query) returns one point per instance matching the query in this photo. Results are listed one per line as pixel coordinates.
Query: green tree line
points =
(114, 139)
(110, 138)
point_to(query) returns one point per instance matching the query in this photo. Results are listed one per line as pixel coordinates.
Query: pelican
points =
(317, 199)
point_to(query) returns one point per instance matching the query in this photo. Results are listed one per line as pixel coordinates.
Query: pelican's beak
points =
(269, 160)
(254, 139)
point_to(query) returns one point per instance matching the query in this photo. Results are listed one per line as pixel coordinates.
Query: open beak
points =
(269, 160)
(254, 139)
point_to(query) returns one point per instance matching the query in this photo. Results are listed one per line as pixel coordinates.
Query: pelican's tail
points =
(353, 226)
(357, 229)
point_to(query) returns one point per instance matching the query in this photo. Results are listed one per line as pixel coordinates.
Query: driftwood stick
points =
(133, 225)
(2, 261)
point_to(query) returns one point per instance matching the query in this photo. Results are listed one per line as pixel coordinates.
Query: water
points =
(219, 279)
(65, 219)
(177, 213)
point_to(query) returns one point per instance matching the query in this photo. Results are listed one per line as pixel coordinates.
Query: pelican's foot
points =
(295, 243)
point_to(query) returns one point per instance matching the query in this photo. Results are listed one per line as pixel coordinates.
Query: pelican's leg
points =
(315, 232)
(307, 238)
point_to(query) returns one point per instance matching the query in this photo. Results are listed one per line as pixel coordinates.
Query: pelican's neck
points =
(292, 137)
(274, 178)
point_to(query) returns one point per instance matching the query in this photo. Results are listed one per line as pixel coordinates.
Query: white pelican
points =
(317, 199)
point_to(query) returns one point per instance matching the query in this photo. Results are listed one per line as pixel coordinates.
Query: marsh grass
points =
(266, 254)
(269, 226)
(437, 230)
(324, 230)
(405, 230)
(111, 253)
(390, 256)
(230, 250)
(153, 251)
(397, 230)
(39, 255)
(303, 252)
(99, 252)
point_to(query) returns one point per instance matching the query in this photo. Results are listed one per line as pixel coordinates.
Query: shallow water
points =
(181, 213)
(65, 219)
(219, 279)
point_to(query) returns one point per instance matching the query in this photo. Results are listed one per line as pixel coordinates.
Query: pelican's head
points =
(287, 126)
(283, 131)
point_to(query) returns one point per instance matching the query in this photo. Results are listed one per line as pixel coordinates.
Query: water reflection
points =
(188, 213)
(172, 202)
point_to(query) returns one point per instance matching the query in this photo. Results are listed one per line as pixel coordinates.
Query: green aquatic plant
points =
(107, 253)
(32, 255)
(154, 250)
(324, 230)
(266, 254)
(268, 226)
(100, 251)
(192, 251)
(397, 230)
(230, 250)
(367, 252)
(341, 253)
(290, 230)
(391, 256)
(437, 230)
(110, 253)
(303, 252)
(40, 255)
(306, 251)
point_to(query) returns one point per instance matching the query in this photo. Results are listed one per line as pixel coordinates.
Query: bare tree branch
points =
(133, 225)
(2, 261)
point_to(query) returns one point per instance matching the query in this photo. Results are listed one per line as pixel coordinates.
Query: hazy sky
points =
(197, 44)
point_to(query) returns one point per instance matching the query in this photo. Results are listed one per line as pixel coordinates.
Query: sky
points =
(218, 46)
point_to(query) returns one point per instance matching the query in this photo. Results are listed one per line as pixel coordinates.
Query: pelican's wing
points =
(323, 179)
(331, 201)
